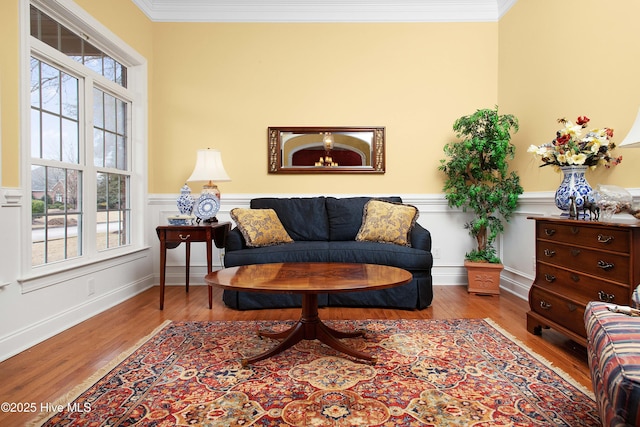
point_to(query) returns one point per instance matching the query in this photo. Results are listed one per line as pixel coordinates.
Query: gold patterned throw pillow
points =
(387, 222)
(260, 227)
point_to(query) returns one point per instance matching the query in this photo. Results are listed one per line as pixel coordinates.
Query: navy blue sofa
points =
(324, 230)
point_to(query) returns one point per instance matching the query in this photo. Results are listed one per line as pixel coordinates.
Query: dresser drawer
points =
(610, 266)
(579, 287)
(611, 239)
(559, 310)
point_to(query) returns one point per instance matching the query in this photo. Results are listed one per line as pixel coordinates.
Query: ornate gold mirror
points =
(326, 149)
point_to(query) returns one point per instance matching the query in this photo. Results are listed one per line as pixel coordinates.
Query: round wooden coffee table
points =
(309, 279)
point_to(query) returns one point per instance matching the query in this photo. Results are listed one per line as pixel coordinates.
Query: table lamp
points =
(209, 169)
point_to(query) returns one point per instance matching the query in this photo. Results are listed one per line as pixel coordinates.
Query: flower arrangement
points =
(571, 148)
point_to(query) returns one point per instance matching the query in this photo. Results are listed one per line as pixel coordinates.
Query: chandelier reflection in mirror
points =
(326, 150)
(326, 161)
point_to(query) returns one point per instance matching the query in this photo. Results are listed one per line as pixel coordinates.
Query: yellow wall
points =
(565, 59)
(9, 118)
(221, 86)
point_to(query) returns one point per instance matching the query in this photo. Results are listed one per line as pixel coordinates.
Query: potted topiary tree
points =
(478, 179)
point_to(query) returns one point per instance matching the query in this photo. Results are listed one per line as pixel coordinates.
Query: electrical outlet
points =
(435, 252)
(91, 286)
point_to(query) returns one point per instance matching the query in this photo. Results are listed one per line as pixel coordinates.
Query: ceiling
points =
(324, 10)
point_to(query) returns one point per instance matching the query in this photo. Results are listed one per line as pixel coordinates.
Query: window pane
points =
(92, 58)
(70, 141)
(110, 68)
(121, 150)
(109, 113)
(98, 108)
(35, 83)
(69, 96)
(121, 75)
(48, 30)
(74, 191)
(98, 147)
(101, 191)
(50, 87)
(36, 151)
(109, 150)
(50, 137)
(70, 44)
(121, 114)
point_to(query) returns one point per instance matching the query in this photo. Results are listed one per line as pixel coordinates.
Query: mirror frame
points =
(275, 158)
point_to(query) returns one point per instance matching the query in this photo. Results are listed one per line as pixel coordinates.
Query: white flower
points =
(571, 129)
(578, 159)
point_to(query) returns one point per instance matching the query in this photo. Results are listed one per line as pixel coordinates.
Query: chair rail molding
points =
(325, 10)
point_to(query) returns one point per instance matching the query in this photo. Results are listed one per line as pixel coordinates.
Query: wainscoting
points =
(29, 317)
(450, 239)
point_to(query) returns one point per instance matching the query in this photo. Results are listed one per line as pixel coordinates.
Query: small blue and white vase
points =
(574, 184)
(185, 201)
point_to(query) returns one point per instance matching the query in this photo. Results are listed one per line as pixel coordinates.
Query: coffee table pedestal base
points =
(310, 327)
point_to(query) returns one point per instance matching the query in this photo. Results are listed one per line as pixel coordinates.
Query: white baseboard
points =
(35, 333)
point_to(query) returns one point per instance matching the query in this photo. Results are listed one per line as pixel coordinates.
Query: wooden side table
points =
(172, 235)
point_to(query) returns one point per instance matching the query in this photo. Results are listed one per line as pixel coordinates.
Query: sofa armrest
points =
(420, 238)
(235, 241)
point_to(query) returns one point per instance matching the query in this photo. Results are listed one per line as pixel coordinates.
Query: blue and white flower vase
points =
(574, 184)
(185, 201)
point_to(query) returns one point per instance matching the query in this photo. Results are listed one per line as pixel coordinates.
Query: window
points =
(82, 116)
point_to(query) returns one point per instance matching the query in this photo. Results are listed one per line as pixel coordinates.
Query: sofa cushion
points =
(292, 252)
(345, 215)
(380, 253)
(303, 218)
(260, 227)
(387, 222)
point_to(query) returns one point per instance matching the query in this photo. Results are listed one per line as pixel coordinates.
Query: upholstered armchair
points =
(613, 349)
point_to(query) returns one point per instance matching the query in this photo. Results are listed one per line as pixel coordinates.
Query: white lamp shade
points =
(209, 167)
(633, 137)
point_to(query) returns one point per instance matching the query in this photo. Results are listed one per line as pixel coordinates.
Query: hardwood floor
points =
(52, 368)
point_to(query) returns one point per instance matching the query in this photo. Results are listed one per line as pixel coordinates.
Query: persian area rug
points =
(464, 372)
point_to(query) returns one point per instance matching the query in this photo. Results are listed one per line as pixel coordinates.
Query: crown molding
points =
(324, 10)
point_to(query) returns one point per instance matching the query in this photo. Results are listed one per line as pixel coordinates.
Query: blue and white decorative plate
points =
(207, 206)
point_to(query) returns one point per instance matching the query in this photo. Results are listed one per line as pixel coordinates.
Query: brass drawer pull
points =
(606, 266)
(183, 238)
(575, 252)
(549, 277)
(545, 305)
(549, 231)
(605, 239)
(575, 277)
(575, 230)
(549, 252)
(605, 297)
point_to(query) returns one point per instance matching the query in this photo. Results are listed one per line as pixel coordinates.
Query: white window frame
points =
(77, 19)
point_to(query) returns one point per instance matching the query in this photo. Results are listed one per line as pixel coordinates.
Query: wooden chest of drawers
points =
(578, 261)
